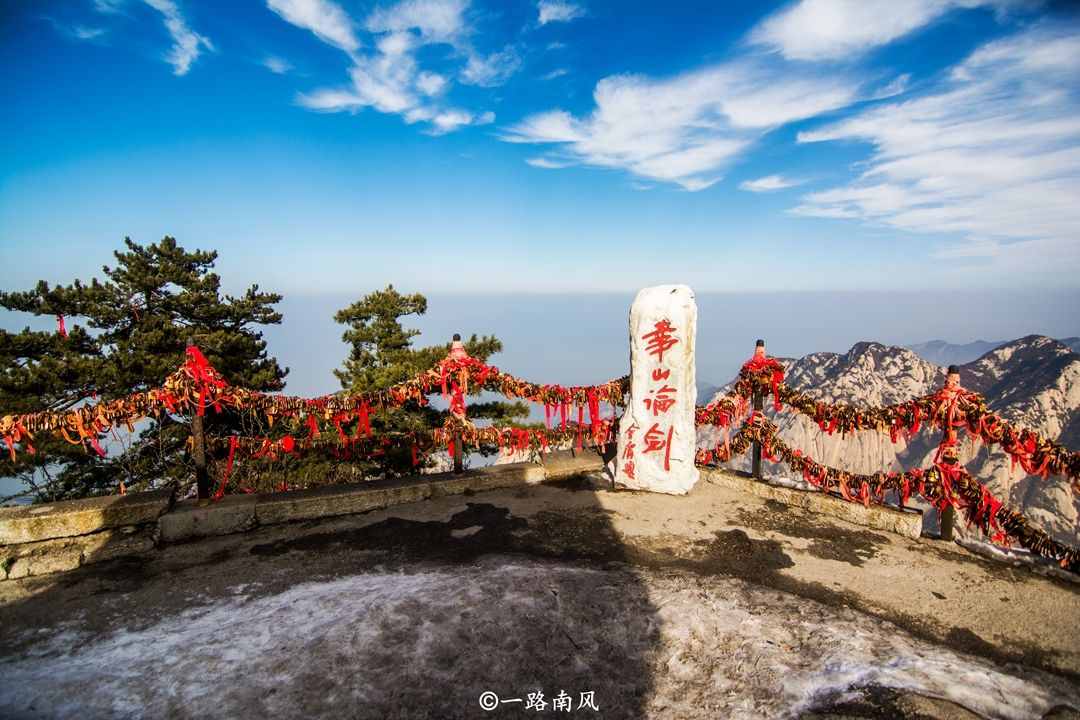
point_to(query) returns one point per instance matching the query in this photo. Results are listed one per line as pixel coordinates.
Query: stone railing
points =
(60, 536)
(42, 539)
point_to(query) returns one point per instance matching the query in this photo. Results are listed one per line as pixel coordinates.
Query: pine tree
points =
(382, 354)
(138, 321)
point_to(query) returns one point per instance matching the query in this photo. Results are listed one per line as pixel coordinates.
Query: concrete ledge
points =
(57, 555)
(239, 513)
(63, 536)
(335, 500)
(192, 519)
(69, 518)
(566, 463)
(906, 523)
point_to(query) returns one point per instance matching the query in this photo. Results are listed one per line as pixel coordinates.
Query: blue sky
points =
(446, 145)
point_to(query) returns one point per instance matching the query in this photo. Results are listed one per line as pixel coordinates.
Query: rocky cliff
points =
(1032, 381)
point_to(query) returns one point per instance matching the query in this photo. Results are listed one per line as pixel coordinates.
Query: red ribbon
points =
(363, 421)
(457, 402)
(202, 373)
(233, 442)
(337, 420)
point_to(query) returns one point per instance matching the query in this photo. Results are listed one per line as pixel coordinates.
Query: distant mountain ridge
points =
(1033, 381)
(945, 353)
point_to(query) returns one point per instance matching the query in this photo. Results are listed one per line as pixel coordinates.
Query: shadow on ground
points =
(398, 618)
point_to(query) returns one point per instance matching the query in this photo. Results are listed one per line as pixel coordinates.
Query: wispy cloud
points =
(436, 20)
(83, 32)
(277, 65)
(389, 78)
(492, 70)
(549, 11)
(769, 183)
(897, 86)
(686, 129)
(76, 32)
(993, 153)
(186, 42)
(546, 163)
(109, 7)
(841, 29)
(556, 73)
(326, 19)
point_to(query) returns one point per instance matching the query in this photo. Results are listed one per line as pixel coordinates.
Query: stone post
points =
(657, 439)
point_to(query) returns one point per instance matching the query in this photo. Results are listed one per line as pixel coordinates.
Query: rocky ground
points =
(713, 605)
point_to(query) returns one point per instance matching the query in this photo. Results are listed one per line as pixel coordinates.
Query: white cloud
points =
(277, 65)
(436, 20)
(82, 32)
(769, 183)
(430, 83)
(331, 100)
(386, 81)
(556, 73)
(450, 120)
(546, 163)
(326, 19)
(491, 71)
(898, 86)
(687, 129)
(558, 11)
(76, 32)
(389, 78)
(993, 153)
(109, 7)
(836, 29)
(186, 42)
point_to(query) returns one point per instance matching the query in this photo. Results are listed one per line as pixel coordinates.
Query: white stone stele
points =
(674, 303)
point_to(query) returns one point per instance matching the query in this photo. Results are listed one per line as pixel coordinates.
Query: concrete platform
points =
(718, 604)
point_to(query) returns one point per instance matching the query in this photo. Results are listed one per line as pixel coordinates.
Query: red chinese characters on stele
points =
(660, 339)
(628, 453)
(661, 398)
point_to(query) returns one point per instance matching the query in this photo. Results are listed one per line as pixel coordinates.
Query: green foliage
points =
(138, 321)
(382, 354)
